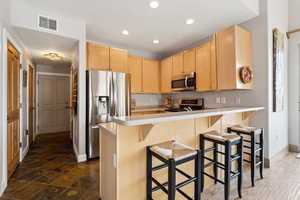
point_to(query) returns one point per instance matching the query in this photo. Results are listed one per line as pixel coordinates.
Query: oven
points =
(184, 82)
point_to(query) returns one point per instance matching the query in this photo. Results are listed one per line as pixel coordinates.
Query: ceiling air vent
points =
(47, 23)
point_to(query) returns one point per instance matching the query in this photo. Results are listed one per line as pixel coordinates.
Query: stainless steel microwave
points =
(184, 82)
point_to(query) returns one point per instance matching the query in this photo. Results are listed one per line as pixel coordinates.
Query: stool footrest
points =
(235, 174)
(235, 157)
(259, 163)
(208, 150)
(184, 183)
(258, 149)
(160, 185)
(218, 180)
(220, 152)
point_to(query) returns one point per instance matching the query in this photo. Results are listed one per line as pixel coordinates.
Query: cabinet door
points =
(135, 69)
(178, 64)
(203, 67)
(189, 60)
(151, 76)
(118, 60)
(97, 57)
(166, 75)
(226, 64)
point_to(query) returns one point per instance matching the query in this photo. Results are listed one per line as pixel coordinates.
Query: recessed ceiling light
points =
(189, 21)
(125, 32)
(155, 41)
(154, 4)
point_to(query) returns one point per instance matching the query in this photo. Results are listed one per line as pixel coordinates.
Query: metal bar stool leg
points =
(216, 161)
(202, 147)
(227, 169)
(171, 180)
(197, 184)
(261, 153)
(253, 159)
(240, 167)
(149, 174)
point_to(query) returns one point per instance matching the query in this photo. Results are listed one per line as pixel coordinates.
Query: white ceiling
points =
(106, 19)
(40, 43)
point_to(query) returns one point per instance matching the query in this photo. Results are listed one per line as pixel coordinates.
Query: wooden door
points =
(166, 75)
(151, 76)
(13, 109)
(53, 104)
(178, 64)
(135, 69)
(30, 104)
(189, 61)
(118, 60)
(97, 57)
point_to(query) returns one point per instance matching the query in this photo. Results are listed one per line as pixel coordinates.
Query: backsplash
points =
(147, 99)
(211, 99)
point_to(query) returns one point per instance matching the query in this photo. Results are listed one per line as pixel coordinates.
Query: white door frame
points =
(38, 74)
(6, 37)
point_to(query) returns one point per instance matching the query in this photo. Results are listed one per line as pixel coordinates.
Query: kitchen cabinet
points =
(234, 51)
(178, 64)
(97, 57)
(135, 69)
(206, 74)
(118, 60)
(189, 61)
(166, 69)
(151, 76)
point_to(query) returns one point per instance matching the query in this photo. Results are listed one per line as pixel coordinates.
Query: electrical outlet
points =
(115, 160)
(237, 100)
(223, 100)
(218, 100)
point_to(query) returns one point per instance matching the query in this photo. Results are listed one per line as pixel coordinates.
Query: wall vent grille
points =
(47, 23)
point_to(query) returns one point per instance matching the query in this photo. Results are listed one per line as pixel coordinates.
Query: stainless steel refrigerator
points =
(108, 95)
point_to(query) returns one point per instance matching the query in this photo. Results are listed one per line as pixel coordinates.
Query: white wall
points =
(61, 69)
(294, 74)
(278, 18)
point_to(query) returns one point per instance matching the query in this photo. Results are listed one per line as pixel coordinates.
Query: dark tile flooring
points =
(50, 171)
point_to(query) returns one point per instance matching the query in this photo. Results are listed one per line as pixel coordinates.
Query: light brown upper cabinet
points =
(97, 57)
(206, 74)
(178, 64)
(135, 69)
(166, 69)
(234, 51)
(151, 76)
(189, 61)
(118, 60)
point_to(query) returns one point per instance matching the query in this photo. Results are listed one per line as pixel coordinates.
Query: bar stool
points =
(253, 133)
(172, 154)
(228, 141)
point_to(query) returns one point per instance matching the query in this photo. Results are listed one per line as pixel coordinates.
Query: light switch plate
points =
(218, 100)
(223, 100)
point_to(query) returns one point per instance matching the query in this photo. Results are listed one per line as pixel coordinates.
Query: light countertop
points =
(173, 116)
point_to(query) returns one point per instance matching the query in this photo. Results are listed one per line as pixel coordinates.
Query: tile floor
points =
(50, 171)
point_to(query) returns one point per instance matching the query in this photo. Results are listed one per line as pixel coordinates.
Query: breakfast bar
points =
(123, 145)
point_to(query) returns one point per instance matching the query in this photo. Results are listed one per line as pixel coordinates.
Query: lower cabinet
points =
(151, 76)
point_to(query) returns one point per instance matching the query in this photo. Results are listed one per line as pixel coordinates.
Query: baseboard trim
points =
(2, 187)
(80, 157)
(293, 148)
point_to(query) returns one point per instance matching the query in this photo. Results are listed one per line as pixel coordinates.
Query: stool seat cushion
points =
(246, 129)
(173, 150)
(222, 137)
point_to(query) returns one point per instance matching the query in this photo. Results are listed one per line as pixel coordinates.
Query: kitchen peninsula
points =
(124, 141)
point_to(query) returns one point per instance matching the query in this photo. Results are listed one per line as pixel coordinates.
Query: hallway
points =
(50, 171)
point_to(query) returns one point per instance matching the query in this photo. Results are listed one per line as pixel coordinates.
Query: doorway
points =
(53, 103)
(13, 108)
